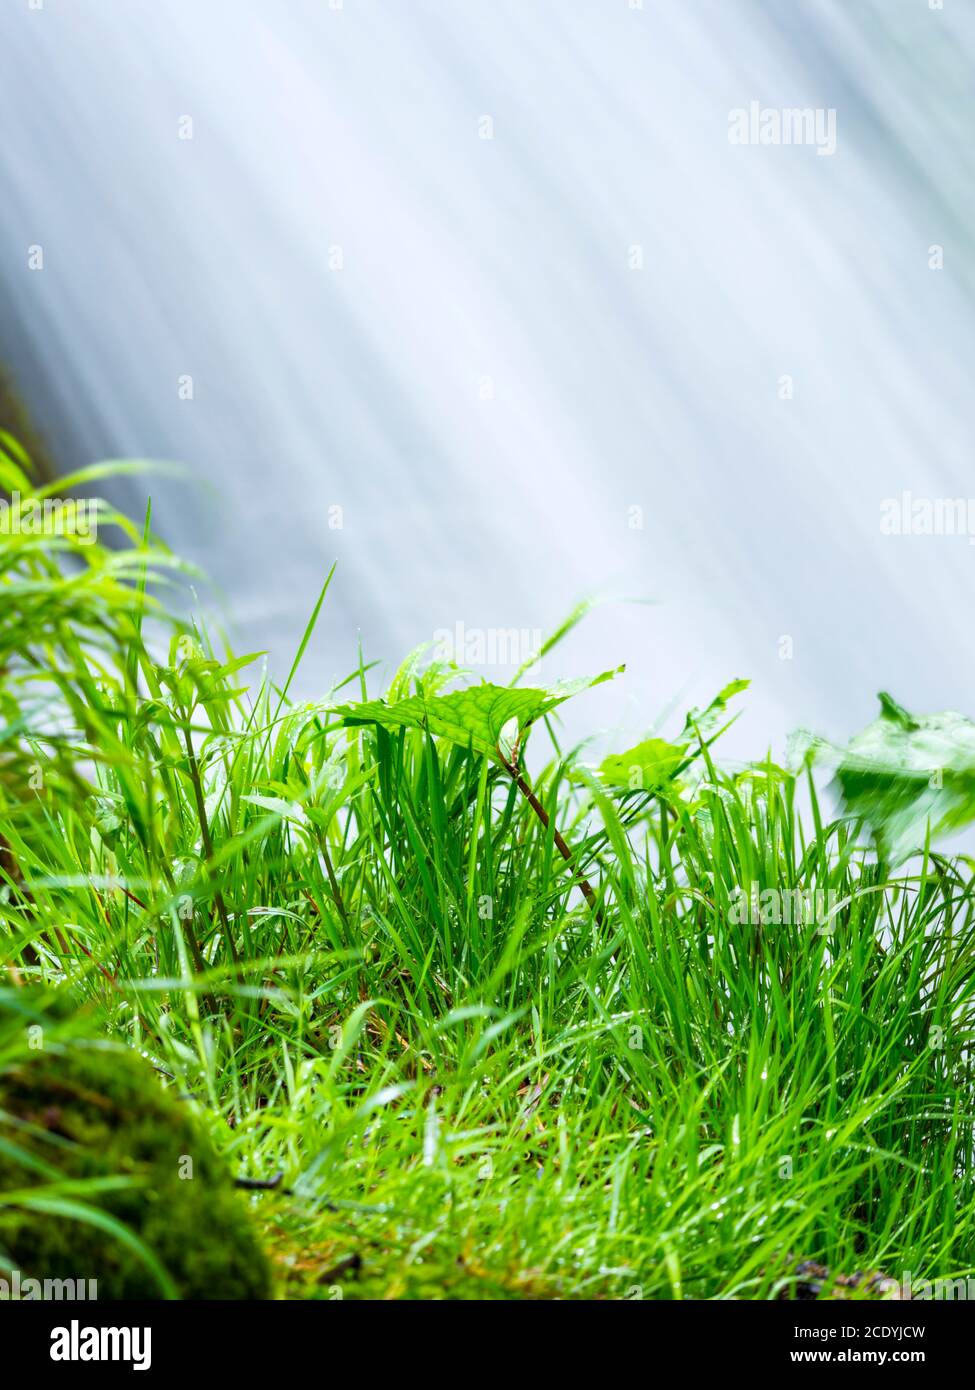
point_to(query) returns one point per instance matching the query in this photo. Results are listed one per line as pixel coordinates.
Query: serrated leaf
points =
(474, 716)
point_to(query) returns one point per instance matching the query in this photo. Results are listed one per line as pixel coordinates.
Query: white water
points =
(466, 258)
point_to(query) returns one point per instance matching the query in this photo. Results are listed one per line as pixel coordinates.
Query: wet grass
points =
(354, 944)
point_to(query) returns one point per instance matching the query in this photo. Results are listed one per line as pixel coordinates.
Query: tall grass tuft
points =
(642, 1030)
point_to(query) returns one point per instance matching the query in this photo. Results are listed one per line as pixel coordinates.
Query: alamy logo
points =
(490, 646)
(18, 1289)
(792, 125)
(798, 907)
(50, 516)
(944, 1288)
(77, 1343)
(908, 515)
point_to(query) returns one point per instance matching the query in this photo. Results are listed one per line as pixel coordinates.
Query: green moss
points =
(98, 1112)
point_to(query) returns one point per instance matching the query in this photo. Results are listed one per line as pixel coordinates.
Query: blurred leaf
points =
(904, 772)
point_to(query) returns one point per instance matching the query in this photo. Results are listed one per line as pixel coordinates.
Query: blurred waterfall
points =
(498, 356)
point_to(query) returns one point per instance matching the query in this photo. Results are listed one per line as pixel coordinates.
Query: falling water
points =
(479, 300)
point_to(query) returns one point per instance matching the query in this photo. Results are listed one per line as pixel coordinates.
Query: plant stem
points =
(332, 880)
(587, 889)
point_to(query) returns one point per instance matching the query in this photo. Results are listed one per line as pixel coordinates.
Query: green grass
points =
(345, 932)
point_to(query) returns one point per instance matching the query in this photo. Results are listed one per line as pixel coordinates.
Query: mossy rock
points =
(94, 1112)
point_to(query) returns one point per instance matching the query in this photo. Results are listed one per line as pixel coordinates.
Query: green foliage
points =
(905, 775)
(476, 717)
(655, 763)
(646, 766)
(707, 720)
(346, 929)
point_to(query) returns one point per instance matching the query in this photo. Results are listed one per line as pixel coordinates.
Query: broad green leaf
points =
(654, 762)
(474, 716)
(644, 767)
